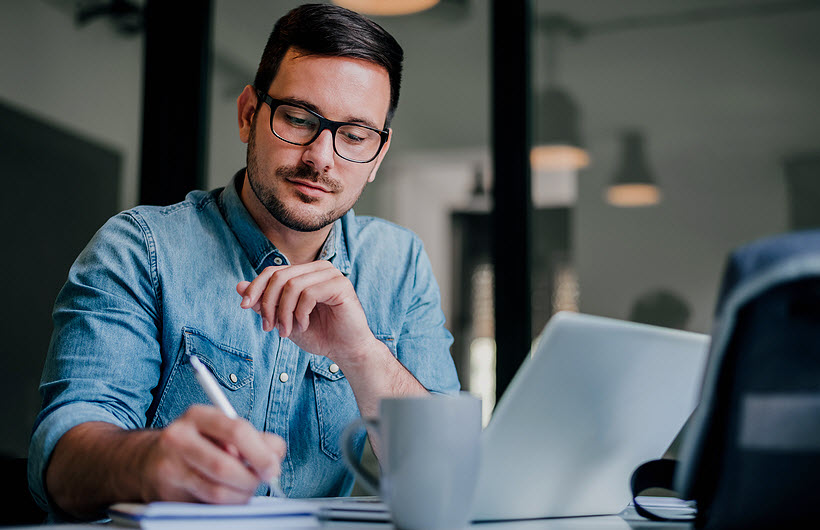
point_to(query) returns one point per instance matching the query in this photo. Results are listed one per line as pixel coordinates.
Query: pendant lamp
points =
(557, 144)
(386, 7)
(557, 138)
(633, 184)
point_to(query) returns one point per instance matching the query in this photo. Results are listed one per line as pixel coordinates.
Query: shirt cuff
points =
(45, 438)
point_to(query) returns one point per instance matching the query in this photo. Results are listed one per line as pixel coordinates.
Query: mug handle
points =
(368, 480)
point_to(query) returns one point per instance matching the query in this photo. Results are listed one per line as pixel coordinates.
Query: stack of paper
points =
(260, 512)
(361, 509)
(669, 507)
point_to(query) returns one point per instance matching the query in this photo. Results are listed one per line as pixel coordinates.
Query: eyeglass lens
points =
(298, 126)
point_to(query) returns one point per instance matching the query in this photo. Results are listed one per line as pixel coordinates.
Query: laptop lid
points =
(596, 398)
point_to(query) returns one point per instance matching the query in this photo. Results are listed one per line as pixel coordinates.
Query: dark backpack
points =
(750, 457)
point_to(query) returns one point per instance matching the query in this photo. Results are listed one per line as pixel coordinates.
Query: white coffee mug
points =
(430, 453)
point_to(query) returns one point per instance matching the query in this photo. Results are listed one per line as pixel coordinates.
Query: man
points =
(333, 312)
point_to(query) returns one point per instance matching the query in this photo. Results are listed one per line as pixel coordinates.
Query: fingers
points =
(277, 292)
(241, 288)
(205, 490)
(280, 300)
(276, 446)
(330, 291)
(207, 457)
(251, 446)
(180, 472)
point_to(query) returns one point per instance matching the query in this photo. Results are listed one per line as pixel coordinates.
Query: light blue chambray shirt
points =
(157, 284)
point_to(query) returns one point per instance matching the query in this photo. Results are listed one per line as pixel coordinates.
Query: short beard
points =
(276, 207)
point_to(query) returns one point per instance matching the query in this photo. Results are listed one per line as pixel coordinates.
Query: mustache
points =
(307, 173)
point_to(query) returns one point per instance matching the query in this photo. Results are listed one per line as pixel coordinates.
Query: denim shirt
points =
(156, 284)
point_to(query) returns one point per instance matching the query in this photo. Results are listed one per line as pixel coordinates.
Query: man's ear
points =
(379, 158)
(246, 105)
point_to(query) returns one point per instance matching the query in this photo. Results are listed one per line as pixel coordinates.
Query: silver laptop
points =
(596, 398)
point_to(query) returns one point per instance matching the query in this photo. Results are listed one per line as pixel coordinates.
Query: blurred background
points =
(661, 134)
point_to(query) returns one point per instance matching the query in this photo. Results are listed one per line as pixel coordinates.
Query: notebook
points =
(261, 513)
(596, 398)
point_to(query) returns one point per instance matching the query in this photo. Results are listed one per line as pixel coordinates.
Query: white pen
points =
(211, 388)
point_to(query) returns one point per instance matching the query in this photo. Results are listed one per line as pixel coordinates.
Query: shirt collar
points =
(260, 251)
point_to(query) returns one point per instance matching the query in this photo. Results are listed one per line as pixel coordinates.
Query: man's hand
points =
(203, 456)
(314, 305)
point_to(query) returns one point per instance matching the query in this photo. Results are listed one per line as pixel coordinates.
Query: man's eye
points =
(352, 137)
(299, 121)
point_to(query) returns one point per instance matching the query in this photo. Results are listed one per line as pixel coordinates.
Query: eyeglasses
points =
(300, 126)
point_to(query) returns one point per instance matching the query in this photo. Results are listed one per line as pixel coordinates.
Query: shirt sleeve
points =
(104, 357)
(424, 344)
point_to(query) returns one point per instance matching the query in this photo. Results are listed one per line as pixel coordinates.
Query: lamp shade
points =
(633, 184)
(386, 7)
(557, 144)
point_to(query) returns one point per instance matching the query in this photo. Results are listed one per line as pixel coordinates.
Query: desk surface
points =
(625, 521)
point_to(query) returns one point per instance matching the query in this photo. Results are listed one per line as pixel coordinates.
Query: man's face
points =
(306, 188)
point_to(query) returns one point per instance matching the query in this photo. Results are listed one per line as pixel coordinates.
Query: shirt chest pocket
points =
(335, 403)
(232, 369)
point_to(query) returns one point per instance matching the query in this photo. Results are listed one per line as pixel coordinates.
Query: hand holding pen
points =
(211, 388)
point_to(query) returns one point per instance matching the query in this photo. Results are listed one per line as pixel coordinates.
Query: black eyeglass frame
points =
(324, 123)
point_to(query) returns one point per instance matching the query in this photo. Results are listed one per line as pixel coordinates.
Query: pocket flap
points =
(231, 367)
(320, 365)
(329, 370)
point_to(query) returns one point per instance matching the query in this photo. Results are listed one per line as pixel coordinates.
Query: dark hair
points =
(324, 29)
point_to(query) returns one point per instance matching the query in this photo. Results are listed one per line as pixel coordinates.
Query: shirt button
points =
(233, 377)
(334, 368)
(283, 377)
(277, 260)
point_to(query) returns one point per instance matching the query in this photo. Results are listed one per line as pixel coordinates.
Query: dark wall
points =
(58, 189)
(803, 181)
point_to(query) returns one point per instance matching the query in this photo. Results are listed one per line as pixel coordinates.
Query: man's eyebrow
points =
(314, 108)
(302, 103)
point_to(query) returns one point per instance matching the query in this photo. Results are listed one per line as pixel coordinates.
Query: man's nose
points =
(319, 154)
